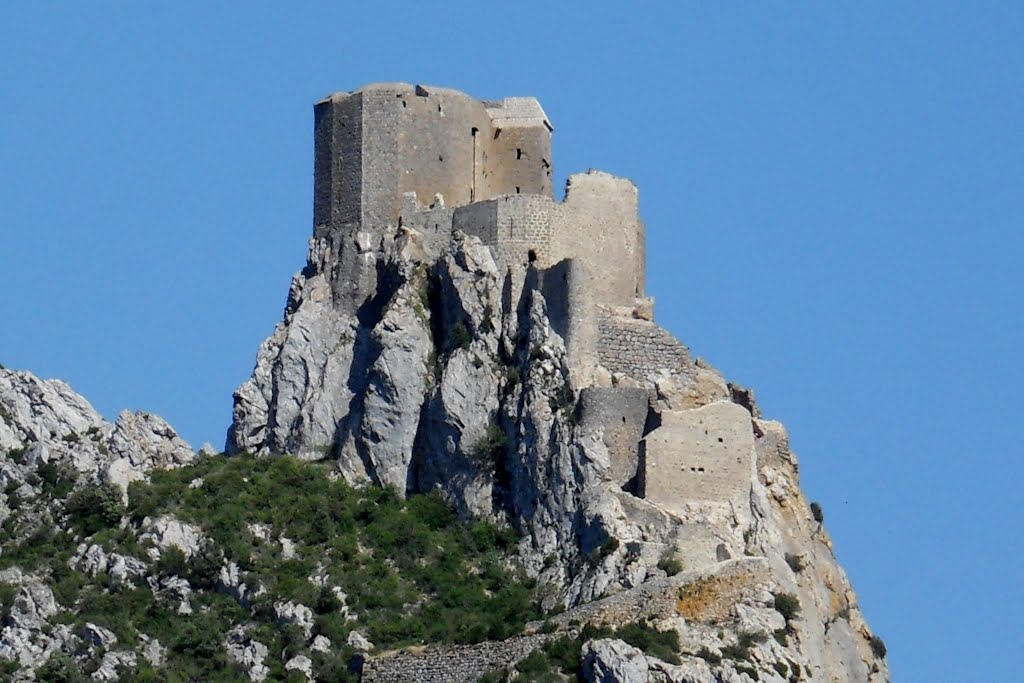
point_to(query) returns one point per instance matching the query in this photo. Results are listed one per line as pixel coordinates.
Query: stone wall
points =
(387, 139)
(700, 455)
(638, 348)
(567, 289)
(659, 598)
(337, 163)
(453, 664)
(598, 224)
(517, 155)
(620, 414)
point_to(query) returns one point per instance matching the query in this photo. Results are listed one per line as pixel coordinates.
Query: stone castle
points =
(433, 161)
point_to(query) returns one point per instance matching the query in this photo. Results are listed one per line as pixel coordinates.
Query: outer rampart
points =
(700, 455)
(454, 664)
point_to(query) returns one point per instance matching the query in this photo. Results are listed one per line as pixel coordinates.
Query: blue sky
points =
(833, 194)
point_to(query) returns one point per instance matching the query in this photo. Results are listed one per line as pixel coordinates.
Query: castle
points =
(434, 161)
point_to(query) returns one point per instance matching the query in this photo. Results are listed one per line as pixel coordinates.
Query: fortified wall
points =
(434, 161)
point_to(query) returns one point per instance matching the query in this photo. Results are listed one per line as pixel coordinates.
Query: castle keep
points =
(432, 161)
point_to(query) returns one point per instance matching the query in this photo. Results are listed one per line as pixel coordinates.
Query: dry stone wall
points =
(659, 598)
(638, 348)
(455, 664)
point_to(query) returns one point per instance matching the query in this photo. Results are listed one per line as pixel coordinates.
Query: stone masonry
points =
(431, 162)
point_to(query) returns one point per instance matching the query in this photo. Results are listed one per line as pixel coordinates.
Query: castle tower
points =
(384, 140)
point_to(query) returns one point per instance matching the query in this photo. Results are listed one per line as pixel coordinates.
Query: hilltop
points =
(468, 452)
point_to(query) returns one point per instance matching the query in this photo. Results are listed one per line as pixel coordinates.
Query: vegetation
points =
(878, 647)
(561, 657)
(669, 562)
(491, 446)
(460, 338)
(411, 572)
(817, 513)
(788, 605)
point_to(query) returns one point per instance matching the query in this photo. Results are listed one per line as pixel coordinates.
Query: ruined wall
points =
(598, 224)
(620, 414)
(453, 664)
(337, 162)
(518, 149)
(516, 227)
(567, 289)
(731, 582)
(703, 455)
(433, 223)
(638, 348)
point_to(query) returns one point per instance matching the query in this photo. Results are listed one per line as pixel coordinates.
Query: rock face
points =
(50, 423)
(499, 351)
(420, 349)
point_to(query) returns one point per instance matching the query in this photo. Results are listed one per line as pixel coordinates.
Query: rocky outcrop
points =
(449, 374)
(47, 422)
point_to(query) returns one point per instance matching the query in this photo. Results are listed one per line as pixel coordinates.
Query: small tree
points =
(816, 512)
(93, 508)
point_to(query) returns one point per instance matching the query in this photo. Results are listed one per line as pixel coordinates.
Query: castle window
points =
(532, 256)
(517, 189)
(473, 131)
(519, 153)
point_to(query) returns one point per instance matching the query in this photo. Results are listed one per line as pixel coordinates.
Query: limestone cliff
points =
(451, 377)
(500, 350)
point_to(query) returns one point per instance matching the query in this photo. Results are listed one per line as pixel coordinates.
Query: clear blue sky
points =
(834, 197)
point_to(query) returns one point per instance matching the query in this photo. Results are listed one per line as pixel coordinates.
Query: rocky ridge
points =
(450, 377)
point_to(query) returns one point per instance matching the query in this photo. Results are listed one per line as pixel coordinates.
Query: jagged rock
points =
(291, 613)
(113, 663)
(33, 605)
(302, 664)
(321, 644)
(248, 653)
(166, 531)
(288, 548)
(231, 582)
(24, 637)
(153, 651)
(613, 661)
(359, 642)
(89, 559)
(173, 589)
(97, 636)
(140, 442)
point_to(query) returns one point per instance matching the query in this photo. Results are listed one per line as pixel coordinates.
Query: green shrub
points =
(60, 669)
(878, 647)
(459, 337)
(669, 562)
(57, 481)
(817, 513)
(490, 448)
(172, 562)
(788, 605)
(93, 508)
(661, 644)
